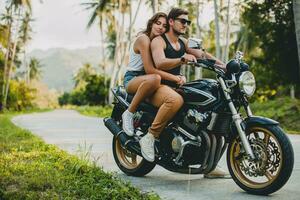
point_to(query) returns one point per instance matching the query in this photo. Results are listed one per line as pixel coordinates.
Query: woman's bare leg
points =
(142, 87)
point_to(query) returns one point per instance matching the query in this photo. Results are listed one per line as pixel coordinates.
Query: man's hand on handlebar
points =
(189, 58)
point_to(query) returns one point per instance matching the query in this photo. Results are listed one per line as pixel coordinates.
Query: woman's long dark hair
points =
(153, 20)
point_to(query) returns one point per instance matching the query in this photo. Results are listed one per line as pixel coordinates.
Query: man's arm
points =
(159, 57)
(199, 53)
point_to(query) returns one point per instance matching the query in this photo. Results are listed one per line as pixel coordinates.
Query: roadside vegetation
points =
(95, 111)
(284, 110)
(31, 169)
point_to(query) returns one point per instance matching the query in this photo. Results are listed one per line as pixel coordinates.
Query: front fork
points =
(237, 119)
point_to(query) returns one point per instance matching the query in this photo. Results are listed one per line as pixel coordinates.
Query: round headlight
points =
(247, 83)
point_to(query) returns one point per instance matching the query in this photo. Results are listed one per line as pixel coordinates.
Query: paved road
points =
(72, 132)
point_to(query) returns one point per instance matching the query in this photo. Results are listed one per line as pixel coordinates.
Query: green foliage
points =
(95, 111)
(94, 91)
(20, 96)
(83, 74)
(263, 95)
(111, 38)
(31, 169)
(270, 25)
(284, 110)
(35, 71)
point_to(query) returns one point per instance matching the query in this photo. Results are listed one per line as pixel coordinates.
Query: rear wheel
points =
(273, 164)
(130, 163)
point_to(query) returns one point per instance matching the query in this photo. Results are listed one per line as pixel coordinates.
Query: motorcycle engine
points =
(180, 149)
(195, 119)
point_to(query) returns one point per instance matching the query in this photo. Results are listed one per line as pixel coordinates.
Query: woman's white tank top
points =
(135, 61)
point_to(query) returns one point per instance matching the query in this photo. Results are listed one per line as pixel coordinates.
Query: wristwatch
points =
(182, 59)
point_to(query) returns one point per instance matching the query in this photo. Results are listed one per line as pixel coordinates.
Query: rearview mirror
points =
(195, 43)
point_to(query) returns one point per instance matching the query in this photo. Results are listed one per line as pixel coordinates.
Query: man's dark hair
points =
(175, 12)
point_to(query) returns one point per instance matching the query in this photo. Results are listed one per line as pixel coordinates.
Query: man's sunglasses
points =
(184, 21)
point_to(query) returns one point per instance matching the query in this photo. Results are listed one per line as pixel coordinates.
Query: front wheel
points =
(273, 164)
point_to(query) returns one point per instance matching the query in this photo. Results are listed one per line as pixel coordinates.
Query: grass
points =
(31, 169)
(284, 110)
(94, 111)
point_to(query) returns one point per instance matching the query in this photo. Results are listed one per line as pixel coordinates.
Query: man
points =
(170, 50)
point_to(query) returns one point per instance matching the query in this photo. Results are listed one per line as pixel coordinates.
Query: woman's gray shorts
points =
(130, 75)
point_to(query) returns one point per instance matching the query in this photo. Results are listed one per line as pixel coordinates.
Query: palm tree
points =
(199, 8)
(34, 68)
(296, 9)
(154, 4)
(3, 33)
(227, 32)
(7, 18)
(15, 7)
(25, 35)
(83, 73)
(217, 31)
(110, 9)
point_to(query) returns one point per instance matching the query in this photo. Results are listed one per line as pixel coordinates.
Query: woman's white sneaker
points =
(147, 147)
(127, 118)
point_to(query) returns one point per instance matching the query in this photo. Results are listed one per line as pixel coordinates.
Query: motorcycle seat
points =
(144, 106)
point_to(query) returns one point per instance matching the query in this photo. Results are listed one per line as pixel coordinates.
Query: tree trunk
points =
(6, 60)
(296, 9)
(154, 5)
(9, 74)
(117, 55)
(198, 70)
(217, 31)
(11, 63)
(227, 44)
(292, 91)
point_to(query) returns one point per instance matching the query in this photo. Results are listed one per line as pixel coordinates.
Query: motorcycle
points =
(260, 156)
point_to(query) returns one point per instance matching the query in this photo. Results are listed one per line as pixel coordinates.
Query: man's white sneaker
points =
(147, 147)
(218, 172)
(127, 118)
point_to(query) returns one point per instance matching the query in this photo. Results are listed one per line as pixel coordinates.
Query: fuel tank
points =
(203, 92)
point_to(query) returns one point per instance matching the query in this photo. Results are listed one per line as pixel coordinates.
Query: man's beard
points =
(177, 33)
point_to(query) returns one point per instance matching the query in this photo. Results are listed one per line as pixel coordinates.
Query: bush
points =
(93, 93)
(20, 96)
(284, 110)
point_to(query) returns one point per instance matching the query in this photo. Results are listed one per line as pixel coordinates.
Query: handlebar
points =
(210, 65)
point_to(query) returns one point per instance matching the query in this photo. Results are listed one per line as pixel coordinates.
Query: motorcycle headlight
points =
(247, 83)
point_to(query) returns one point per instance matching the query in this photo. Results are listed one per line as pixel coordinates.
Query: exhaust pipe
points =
(127, 142)
(116, 130)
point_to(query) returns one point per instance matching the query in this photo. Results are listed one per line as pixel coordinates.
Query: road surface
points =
(77, 134)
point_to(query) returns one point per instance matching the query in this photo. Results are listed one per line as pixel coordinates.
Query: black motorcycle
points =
(260, 156)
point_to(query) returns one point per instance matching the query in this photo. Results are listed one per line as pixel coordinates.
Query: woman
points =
(144, 80)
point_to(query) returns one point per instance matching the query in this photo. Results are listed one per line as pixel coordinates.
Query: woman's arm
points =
(142, 45)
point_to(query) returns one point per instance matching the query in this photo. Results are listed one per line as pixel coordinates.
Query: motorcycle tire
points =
(274, 163)
(130, 163)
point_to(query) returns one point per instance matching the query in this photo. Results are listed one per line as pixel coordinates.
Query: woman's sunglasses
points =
(184, 21)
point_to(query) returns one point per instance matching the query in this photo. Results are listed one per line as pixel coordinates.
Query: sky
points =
(62, 23)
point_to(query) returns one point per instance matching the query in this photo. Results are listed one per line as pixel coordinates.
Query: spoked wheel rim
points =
(263, 171)
(126, 158)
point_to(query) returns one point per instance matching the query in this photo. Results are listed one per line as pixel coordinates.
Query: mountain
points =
(60, 65)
